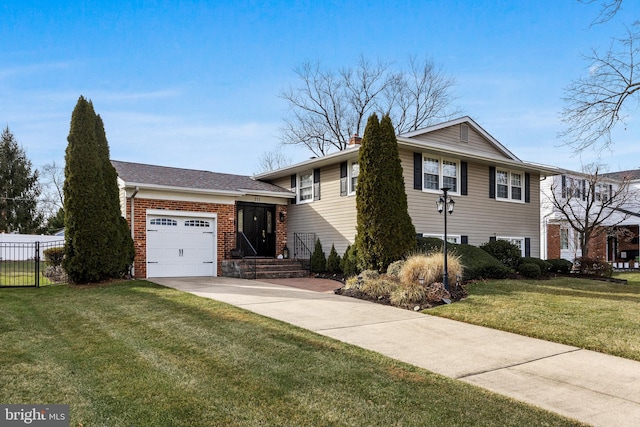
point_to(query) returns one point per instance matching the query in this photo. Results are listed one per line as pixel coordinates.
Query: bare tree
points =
(52, 182)
(328, 107)
(595, 104)
(273, 159)
(608, 10)
(591, 202)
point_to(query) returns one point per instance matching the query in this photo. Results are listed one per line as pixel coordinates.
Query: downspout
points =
(133, 195)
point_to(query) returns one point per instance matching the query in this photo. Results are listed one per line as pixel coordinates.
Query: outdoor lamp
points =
(440, 205)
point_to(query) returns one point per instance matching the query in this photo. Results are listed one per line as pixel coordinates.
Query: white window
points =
(450, 238)
(164, 221)
(354, 171)
(564, 238)
(509, 185)
(305, 186)
(602, 192)
(518, 241)
(196, 223)
(436, 171)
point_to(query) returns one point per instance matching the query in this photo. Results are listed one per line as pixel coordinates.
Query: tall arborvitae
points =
(384, 231)
(98, 244)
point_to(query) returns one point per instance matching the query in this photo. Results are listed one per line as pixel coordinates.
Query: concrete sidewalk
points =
(591, 387)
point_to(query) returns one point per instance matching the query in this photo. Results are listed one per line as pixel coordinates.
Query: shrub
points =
(394, 268)
(353, 282)
(54, 256)
(478, 264)
(429, 244)
(369, 275)
(430, 268)
(530, 270)
(379, 288)
(333, 261)
(594, 266)
(349, 262)
(561, 266)
(505, 252)
(544, 265)
(408, 294)
(436, 292)
(318, 259)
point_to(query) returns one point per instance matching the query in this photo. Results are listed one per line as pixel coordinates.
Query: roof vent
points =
(464, 133)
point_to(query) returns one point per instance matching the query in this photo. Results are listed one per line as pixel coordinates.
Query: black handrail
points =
(301, 250)
(255, 252)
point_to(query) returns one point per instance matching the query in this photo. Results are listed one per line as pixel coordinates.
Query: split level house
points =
(612, 200)
(188, 222)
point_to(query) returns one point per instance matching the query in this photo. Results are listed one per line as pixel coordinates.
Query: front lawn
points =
(590, 314)
(138, 354)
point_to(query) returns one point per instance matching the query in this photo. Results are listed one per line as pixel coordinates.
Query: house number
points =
(256, 199)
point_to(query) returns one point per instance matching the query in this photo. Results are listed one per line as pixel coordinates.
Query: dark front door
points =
(257, 222)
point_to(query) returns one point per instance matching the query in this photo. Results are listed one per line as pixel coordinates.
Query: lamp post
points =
(441, 204)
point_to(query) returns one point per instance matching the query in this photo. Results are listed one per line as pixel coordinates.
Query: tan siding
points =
(332, 218)
(450, 138)
(476, 215)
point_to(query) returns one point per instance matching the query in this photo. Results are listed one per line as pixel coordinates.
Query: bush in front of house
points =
(594, 266)
(430, 268)
(394, 268)
(318, 259)
(559, 265)
(505, 252)
(544, 265)
(478, 264)
(349, 262)
(430, 244)
(54, 256)
(530, 270)
(333, 261)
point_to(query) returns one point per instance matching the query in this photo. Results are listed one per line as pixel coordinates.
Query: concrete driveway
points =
(591, 387)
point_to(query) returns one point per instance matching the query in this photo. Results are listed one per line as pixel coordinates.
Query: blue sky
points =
(195, 84)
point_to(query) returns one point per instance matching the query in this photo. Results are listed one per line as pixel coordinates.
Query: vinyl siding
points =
(450, 138)
(476, 215)
(332, 218)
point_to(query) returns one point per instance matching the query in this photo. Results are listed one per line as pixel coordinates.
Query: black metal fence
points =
(31, 264)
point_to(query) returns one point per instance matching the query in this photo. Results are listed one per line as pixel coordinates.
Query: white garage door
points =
(179, 246)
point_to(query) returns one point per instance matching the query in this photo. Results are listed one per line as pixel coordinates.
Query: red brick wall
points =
(226, 222)
(598, 244)
(553, 241)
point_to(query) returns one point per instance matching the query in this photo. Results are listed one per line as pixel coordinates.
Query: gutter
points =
(133, 195)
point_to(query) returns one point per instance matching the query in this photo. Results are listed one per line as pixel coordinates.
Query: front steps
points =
(265, 268)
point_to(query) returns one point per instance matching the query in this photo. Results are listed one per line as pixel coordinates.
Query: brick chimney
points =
(355, 140)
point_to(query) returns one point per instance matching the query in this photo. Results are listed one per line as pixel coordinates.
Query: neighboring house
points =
(185, 222)
(497, 195)
(615, 241)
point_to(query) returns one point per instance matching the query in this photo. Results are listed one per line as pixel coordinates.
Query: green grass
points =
(138, 354)
(22, 273)
(590, 314)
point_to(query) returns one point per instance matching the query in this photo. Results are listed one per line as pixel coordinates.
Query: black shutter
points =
(294, 180)
(527, 188)
(343, 178)
(492, 182)
(417, 171)
(464, 240)
(316, 184)
(584, 190)
(463, 178)
(527, 246)
(492, 238)
(564, 187)
(610, 195)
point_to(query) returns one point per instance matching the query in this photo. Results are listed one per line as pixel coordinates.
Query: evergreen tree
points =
(19, 189)
(97, 242)
(318, 259)
(385, 232)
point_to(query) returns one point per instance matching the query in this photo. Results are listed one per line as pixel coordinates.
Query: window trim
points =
(566, 241)
(510, 174)
(299, 187)
(441, 175)
(350, 190)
